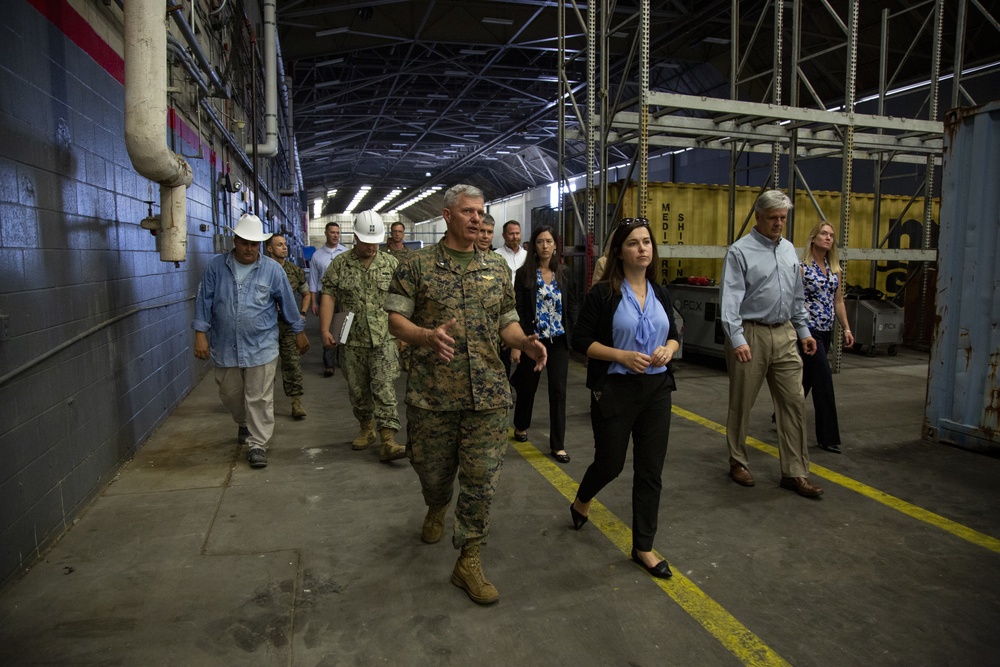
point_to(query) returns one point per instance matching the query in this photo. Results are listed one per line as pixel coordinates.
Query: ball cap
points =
(369, 228)
(250, 228)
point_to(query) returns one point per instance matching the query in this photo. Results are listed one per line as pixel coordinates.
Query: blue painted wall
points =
(72, 256)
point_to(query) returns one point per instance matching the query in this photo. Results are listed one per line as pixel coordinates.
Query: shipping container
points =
(697, 214)
(963, 393)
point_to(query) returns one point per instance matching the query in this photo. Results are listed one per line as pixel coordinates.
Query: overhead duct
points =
(270, 146)
(146, 121)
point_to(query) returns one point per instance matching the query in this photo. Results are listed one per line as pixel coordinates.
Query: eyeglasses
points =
(634, 222)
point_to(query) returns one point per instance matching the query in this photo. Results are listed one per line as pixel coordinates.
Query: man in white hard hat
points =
(239, 300)
(358, 281)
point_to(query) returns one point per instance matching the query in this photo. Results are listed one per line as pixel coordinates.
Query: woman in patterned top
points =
(821, 277)
(542, 296)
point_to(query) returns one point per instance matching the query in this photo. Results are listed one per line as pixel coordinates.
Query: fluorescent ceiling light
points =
(328, 84)
(326, 107)
(332, 31)
(330, 194)
(716, 40)
(437, 96)
(493, 21)
(455, 72)
(332, 61)
(472, 52)
(407, 134)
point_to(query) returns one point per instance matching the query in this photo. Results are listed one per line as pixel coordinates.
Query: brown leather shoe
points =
(741, 475)
(801, 486)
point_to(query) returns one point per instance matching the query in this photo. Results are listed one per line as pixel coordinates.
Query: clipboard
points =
(341, 325)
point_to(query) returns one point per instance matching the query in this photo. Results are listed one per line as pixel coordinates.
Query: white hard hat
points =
(250, 228)
(369, 228)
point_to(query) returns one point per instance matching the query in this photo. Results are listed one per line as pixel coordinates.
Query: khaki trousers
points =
(248, 394)
(775, 357)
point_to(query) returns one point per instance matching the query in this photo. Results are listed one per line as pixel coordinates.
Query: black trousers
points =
(636, 406)
(525, 382)
(816, 376)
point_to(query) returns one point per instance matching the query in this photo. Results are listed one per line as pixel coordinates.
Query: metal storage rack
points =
(799, 129)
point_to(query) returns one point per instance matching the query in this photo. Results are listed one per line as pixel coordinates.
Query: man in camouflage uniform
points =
(291, 365)
(396, 248)
(395, 245)
(358, 281)
(453, 307)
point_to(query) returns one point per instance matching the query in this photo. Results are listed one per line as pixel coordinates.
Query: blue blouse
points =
(651, 325)
(548, 309)
(820, 290)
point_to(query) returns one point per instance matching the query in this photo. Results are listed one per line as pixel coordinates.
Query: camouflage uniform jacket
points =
(297, 279)
(363, 292)
(430, 289)
(400, 254)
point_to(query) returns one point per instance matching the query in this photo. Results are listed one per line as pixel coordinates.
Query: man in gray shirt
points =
(763, 314)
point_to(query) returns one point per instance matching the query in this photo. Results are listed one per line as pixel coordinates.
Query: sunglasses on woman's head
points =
(634, 222)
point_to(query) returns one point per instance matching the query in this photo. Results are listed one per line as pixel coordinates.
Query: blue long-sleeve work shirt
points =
(761, 281)
(241, 319)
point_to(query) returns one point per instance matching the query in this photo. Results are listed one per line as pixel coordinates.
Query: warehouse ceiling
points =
(410, 94)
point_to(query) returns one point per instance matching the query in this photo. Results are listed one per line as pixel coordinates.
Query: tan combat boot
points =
(297, 410)
(434, 524)
(391, 450)
(366, 436)
(468, 575)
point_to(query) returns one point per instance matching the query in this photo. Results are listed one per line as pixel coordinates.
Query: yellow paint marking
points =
(732, 634)
(909, 509)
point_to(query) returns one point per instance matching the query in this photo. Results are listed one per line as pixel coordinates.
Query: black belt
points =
(765, 324)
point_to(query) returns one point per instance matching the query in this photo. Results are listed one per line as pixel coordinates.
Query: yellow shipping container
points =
(697, 214)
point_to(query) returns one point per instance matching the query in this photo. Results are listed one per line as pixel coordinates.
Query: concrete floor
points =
(189, 557)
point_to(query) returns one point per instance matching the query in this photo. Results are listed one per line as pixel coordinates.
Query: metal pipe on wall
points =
(175, 9)
(270, 146)
(146, 121)
(191, 68)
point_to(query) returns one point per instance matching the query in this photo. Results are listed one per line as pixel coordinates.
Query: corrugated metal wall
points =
(963, 391)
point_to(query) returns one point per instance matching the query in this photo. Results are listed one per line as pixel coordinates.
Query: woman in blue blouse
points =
(824, 302)
(542, 297)
(626, 328)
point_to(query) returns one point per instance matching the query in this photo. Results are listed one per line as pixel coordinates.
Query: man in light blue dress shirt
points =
(239, 300)
(763, 315)
(317, 269)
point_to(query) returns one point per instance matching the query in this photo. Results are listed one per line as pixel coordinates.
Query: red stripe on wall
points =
(76, 28)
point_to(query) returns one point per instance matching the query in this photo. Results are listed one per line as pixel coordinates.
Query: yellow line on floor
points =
(732, 634)
(909, 509)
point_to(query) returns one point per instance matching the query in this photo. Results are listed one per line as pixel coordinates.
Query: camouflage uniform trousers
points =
(291, 365)
(470, 443)
(371, 374)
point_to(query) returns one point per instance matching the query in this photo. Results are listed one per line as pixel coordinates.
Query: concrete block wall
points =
(73, 258)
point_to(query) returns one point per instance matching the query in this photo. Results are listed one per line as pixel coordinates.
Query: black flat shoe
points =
(578, 519)
(661, 570)
(830, 448)
(562, 458)
(521, 437)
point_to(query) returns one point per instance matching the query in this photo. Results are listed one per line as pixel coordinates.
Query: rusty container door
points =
(963, 392)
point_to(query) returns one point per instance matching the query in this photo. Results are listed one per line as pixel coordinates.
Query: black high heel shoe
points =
(661, 570)
(578, 519)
